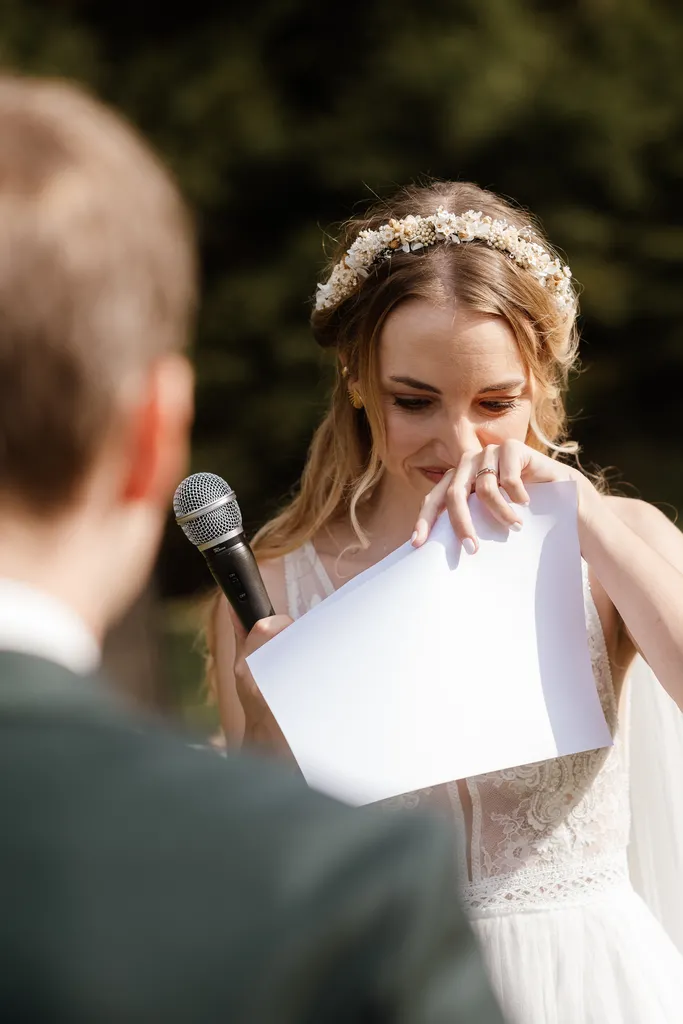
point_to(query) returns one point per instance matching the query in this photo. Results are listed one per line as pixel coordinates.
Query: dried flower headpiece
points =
(413, 233)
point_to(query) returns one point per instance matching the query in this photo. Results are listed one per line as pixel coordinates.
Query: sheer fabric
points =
(551, 854)
(656, 755)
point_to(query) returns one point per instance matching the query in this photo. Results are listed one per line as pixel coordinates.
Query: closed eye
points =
(412, 404)
(501, 404)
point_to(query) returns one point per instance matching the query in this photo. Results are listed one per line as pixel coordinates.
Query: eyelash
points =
(420, 404)
(412, 404)
(501, 405)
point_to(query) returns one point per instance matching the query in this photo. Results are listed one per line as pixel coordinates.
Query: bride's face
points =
(451, 380)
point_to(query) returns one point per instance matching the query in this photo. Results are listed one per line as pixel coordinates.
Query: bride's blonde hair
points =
(344, 462)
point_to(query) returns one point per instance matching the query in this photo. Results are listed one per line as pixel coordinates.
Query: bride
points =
(453, 324)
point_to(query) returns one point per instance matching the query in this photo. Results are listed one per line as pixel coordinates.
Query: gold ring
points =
(486, 469)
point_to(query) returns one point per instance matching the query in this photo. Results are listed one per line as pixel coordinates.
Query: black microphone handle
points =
(234, 569)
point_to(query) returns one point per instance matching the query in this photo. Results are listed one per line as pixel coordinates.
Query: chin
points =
(415, 484)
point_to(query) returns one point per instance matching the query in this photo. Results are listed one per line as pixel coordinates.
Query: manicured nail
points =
(420, 535)
(516, 526)
(468, 545)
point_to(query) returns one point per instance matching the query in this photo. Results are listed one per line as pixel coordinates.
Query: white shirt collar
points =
(33, 622)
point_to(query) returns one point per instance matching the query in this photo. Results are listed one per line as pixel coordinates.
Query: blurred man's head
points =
(97, 289)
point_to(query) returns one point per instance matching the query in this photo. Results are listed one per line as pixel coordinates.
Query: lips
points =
(433, 473)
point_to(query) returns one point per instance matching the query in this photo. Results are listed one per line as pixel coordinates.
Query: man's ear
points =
(159, 435)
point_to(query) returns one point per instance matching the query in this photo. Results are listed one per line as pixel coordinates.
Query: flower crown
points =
(413, 233)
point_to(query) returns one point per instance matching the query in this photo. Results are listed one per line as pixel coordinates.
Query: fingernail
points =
(468, 545)
(414, 537)
(516, 526)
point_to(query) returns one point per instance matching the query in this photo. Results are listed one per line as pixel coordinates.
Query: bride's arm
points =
(223, 648)
(636, 553)
(245, 716)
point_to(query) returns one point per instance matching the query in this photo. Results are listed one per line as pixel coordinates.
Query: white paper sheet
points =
(436, 665)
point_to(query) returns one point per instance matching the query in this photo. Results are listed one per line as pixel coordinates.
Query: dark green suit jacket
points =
(144, 881)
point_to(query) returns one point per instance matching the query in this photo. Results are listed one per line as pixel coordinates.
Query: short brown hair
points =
(97, 278)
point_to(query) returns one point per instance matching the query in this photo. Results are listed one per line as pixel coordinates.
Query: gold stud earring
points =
(344, 372)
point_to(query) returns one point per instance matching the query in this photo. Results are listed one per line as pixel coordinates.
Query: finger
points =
(488, 491)
(510, 468)
(457, 502)
(432, 506)
(265, 630)
(240, 631)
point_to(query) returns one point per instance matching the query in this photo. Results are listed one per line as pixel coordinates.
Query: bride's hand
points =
(261, 728)
(510, 466)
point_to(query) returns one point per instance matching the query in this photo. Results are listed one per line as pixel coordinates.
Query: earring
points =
(355, 396)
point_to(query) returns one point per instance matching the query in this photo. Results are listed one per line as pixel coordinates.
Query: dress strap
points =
(597, 646)
(306, 580)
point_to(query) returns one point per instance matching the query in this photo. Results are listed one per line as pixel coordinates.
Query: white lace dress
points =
(544, 850)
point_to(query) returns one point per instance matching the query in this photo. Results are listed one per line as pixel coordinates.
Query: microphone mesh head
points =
(195, 493)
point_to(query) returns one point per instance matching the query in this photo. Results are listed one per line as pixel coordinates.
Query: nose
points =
(460, 436)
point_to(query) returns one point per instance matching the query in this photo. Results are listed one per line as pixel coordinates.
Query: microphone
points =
(207, 512)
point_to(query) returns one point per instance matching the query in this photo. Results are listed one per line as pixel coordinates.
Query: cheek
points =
(405, 435)
(512, 427)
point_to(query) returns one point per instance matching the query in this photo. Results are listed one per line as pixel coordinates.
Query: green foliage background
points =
(278, 117)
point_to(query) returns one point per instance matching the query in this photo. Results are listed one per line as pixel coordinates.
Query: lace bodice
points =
(537, 834)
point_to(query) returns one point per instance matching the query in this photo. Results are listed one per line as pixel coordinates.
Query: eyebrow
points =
(419, 385)
(506, 385)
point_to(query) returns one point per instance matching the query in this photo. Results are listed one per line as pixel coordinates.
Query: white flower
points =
(386, 233)
(357, 258)
(364, 250)
(341, 283)
(409, 230)
(444, 223)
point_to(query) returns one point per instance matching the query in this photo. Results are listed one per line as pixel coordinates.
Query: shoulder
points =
(638, 514)
(253, 814)
(274, 820)
(651, 525)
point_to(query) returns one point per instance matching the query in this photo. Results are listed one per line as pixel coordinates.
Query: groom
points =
(144, 881)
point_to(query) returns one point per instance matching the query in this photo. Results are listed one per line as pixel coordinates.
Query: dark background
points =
(278, 118)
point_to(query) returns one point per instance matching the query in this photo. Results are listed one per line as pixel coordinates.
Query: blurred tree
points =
(280, 116)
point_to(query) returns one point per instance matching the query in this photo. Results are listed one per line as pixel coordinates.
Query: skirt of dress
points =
(606, 961)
